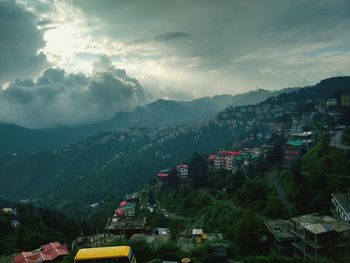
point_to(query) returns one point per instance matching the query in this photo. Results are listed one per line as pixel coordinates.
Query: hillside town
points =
(308, 236)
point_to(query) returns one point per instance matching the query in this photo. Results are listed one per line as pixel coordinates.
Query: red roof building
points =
(48, 252)
(223, 159)
(119, 212)
(163, 175)
(122, 204)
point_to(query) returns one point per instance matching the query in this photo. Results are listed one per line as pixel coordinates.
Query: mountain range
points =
(109, 164)
(17, 139)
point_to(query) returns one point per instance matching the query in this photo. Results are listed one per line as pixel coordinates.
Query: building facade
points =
(341, 206)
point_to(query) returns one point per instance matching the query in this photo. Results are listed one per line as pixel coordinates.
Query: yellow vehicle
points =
(117, 254)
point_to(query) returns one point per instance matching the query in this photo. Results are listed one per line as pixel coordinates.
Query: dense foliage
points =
(36, 227)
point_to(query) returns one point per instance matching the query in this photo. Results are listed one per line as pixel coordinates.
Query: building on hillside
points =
(305, 135)
(11, 211)
(345, 99)
(15, 223)
(162, 179)
(331, 102)
(48, 252)
(132, 197)
(182, 171)
(341, 206)
(210, 160)
(294, 149)
(281, 232)
(126, 227)
(129, 209)
(224, 159)
(317, 236)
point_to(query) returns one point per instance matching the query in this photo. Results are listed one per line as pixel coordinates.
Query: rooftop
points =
(318, 224)
(230, 153)
(48, 252)
(281, 229)
(296, 143)
(163, 175)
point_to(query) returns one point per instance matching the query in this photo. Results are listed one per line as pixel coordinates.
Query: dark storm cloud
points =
(20, 41)
(165, 37)
(61, 99)
(288, 38)
(168, 36)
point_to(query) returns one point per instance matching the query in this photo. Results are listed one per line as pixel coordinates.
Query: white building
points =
(341, 206)
(182, 170)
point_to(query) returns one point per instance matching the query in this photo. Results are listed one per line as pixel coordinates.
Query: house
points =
(130, 209)
(132, 197)
(162, 178)
(161, 231)
(331, 102)
(294, 149)
(14, 223)
(345, 99)
(48, 252)
(182, 171)
(7, 210)
(305, 135)
(341, 206)
(319, 236)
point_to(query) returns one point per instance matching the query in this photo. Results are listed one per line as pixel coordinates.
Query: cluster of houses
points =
(234, 160)
(125, 221)
(162, 176)
(315, 236)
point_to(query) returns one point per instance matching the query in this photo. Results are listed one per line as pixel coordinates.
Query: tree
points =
(274, 207)
(173, 179)
(198, 169)
(296, 171)
(246, 234)
(168, 251)
(276, 154)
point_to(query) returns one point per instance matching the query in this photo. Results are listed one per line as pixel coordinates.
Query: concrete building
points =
(126, 227)
(182, 171)
(224, 159)
(162, 179)
(341, 206)
(129, 209)
(317, 236)
(281, 231)
(331, 102)
(345, 99)
(294, 149)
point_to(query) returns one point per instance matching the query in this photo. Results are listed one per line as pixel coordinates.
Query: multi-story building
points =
(162, 178)
(182, 171)
(281, 232)
(317, 236)
(294, 149)
(341, 206)
(345, 99)
(224, 159)
(130, 209)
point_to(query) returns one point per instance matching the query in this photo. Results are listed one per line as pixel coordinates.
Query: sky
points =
(95, 58)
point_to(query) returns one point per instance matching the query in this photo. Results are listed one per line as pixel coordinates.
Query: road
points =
(166, 213)
(275, 181)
